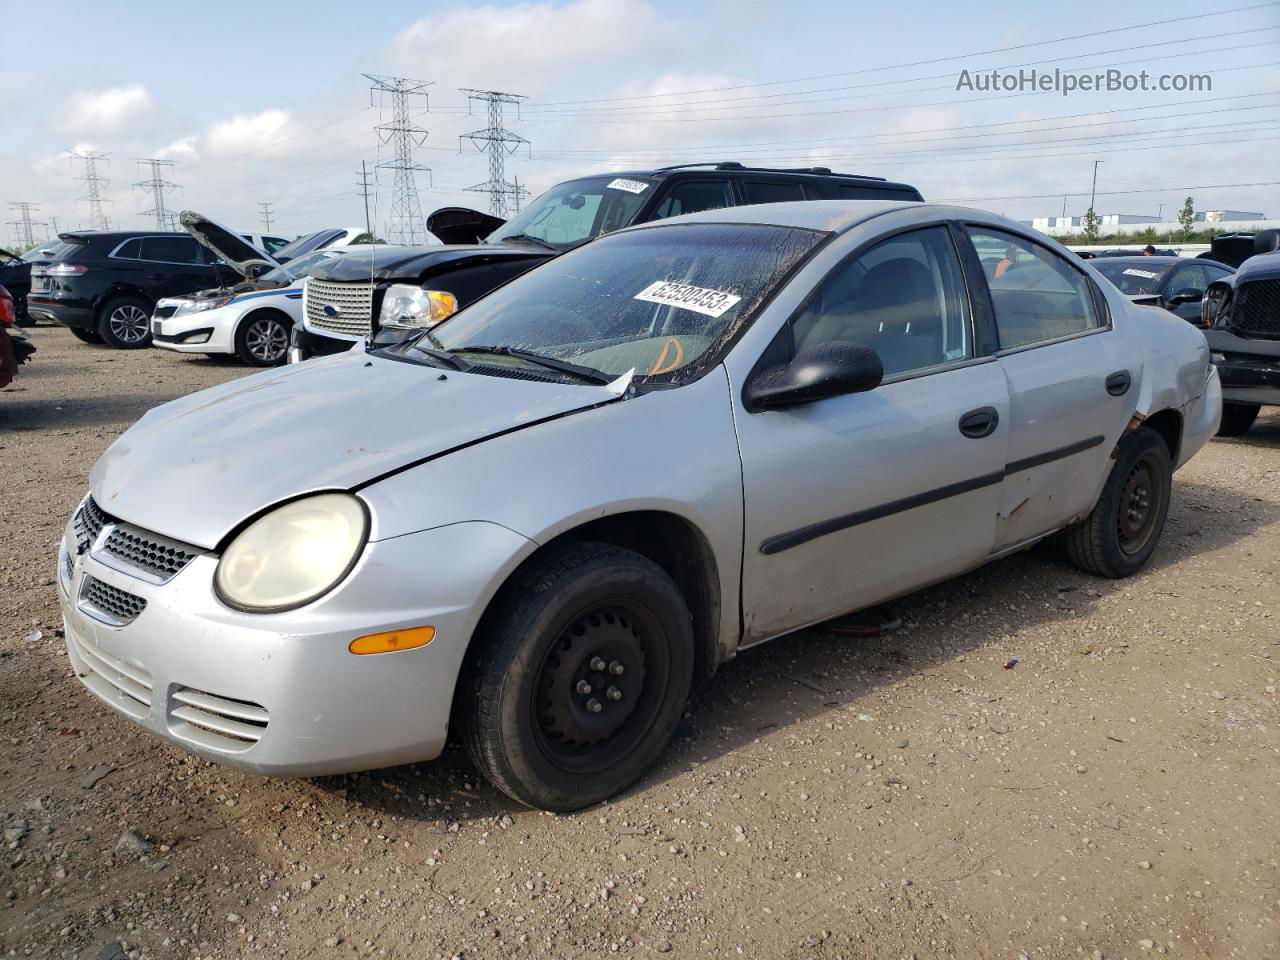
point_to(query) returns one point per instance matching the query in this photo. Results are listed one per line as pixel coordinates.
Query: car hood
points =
(238, 253)
(1261, 266)
(414, 263)
(196, 468)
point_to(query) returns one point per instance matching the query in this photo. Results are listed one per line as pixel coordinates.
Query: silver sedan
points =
(546, 517)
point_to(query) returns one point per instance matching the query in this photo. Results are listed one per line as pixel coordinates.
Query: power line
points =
(24, 225)
(264, 208)
(159, 186)
(1115, 193)
(94, 183)
(500, 143)
(403, 135)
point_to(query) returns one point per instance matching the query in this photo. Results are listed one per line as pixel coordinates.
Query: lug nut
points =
(613, 693)
(597, 664)
(594, 705)
(616, 668)
(583, 687)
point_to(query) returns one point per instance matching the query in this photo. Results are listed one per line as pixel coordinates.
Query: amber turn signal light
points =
(393, 640)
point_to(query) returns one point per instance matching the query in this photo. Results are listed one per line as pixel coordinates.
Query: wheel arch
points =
(1168, 424)
(256, 311)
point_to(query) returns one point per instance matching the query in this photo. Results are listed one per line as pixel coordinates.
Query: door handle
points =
(979, 423)
(1118, 383)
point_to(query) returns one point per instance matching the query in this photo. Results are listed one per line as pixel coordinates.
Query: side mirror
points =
(828, 370)
(1186, 295)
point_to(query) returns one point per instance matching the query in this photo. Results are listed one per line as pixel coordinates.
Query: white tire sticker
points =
(1145, 274)
(698, 299)
(631, 186)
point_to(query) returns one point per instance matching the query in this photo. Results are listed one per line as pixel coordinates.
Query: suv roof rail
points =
(735, 165)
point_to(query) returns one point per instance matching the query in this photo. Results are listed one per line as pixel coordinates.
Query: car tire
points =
(125, 323)
(84, 336)
(577, 676)
(262, 338)
(1237, 418)
(1119, 535)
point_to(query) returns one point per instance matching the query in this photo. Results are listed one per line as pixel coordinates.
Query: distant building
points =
(1218, 216)
(1116, 219)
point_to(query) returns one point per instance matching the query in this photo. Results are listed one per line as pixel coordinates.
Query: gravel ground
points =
(1113, 795)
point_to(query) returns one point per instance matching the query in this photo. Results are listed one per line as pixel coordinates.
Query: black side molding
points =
(794, 538)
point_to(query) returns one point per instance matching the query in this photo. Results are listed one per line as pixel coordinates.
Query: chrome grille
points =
(123, 685)
(109, 603)
(1256, 312)
(353, 301)
(153, 553)
(222, 723)
(88, 523)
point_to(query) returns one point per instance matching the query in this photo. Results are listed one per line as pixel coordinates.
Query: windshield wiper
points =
(588, 374)
(528, 238)
(440, 355)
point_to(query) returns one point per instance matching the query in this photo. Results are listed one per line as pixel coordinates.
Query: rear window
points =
(772, 191)
(56, 251)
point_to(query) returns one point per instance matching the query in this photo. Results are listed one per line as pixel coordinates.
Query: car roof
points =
(831, 216)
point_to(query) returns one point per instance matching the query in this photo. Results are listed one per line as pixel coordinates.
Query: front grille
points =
(153, 553)
(88, 523)
(222, 723)
(123, 685)
(1256, 311)
(118, 606)
(165, 310)
(353, 301)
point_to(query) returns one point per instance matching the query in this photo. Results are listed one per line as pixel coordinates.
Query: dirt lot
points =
(1116, 794)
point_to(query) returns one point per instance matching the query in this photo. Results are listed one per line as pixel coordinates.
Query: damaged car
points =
(15, 349)
(536, 524)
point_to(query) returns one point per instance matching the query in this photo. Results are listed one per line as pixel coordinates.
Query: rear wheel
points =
(262, 339)
(1237, 418)
(578, 678)
(125, 323)
(1119, 535)
(85, 336)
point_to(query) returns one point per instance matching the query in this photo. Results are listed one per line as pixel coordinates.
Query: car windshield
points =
(572, 213)
(1132, 277)
(661, 301)
(304, 244)
(296, 268)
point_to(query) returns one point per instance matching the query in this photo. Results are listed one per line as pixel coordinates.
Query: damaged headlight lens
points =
(406, 307)
(199, 306)
(294, 554)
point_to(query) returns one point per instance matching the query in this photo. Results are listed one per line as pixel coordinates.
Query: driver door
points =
(854, 499)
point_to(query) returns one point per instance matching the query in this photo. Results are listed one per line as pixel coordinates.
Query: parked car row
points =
(538, 520)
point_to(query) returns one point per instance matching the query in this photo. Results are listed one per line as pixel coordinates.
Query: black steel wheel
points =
(577, 677)
(1120, 533)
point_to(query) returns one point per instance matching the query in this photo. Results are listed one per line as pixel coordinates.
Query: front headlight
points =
(294, 554)
(199, 306)
(406, 307)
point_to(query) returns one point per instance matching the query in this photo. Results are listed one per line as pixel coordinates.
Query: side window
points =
(1037, 294)
(690, 196)
(904, 298)
(171, 249)
(129, 250)
(1189, 276)
(1214, 272)
(772, 191)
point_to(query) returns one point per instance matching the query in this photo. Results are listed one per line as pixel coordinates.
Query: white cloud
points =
(105, 111)
(530, 47)
(247, 131)
(181, 149)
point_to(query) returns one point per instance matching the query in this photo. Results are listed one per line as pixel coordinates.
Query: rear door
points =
(174, 265)
(1070, 383)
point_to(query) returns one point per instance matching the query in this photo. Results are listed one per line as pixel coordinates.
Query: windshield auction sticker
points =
(631, 186)
(1145, 274)
(698, 299)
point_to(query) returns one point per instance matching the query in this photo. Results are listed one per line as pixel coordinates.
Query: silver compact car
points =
(543, 519)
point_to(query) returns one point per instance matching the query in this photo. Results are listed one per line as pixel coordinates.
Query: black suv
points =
(341, 305)
(103, 285)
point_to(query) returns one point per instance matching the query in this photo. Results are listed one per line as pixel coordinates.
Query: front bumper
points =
(305, 344)
(191, 333)
(1249, 368)
(279, 693)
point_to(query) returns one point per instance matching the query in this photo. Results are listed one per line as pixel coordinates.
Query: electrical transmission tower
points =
(264, 208)
(405, 221)
(159, 186)
(93, 183)
(24, 225)
(500, 143)
(53, 227)
(364, 184)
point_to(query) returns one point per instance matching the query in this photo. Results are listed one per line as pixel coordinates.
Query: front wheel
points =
(1237, 418)
(579, 675)
(125, 323)
(1119, 535)
(263, 339)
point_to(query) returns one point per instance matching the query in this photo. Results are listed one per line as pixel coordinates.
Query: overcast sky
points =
(266, 102)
